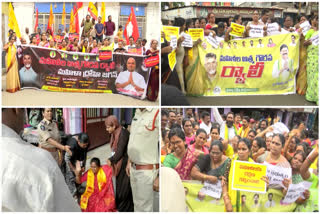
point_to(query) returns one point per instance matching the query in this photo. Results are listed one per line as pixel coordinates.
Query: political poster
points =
(55, 70)
(251, 66)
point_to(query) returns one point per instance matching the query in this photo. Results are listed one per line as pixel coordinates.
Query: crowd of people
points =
(127, 182)
(198, 149)
(188, 71)
(94, 37)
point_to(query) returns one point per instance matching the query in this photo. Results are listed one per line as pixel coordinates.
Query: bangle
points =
(309, 160)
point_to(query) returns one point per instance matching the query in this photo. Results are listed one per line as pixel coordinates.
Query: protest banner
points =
(170, 31)
(273, 29)
(73, 36)
(187, 42)
(196, 33)
(305, 27)
(237, 30)
(136, 51)
(276, 174)
(271, 201)
(214, 41)
(151, 61)
(62, 71)
(247, 177)
(172, 59)
(198, 201)
(295, 191)
(213, 190)
(256, 31)
(251, 66)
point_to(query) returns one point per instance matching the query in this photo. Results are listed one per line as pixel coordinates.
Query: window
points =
(125, 10)
(43, 21)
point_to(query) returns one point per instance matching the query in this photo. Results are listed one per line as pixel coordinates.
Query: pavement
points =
(258, 100)
(102, 152)
(34, 97)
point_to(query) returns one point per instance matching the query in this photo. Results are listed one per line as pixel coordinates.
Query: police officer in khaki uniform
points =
(49, 137)
(143, 163)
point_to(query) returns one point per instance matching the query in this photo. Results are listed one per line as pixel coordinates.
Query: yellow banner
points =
(247, 176)
(170, 31)
(58, 89)
(172, 59)
(196, 33)
(199, 202)
(237, 30)
(250, 66)
(271, 201)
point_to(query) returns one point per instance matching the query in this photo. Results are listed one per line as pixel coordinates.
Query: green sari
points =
(312, 69)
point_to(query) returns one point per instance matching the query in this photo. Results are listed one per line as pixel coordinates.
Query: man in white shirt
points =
(115, 42)
(206, 123)
(28, 77)
(131, 82)
(31, 179)
(26, 35)
(225, 125)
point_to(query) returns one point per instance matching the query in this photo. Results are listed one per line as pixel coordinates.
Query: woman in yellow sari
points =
(13, 81)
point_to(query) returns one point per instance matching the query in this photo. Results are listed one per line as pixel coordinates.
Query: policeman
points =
(143, 163)
(49, 137)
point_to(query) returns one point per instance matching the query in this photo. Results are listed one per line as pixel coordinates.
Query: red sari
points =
(104, 200)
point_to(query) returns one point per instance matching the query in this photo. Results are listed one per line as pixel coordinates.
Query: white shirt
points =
(207, 128)
(115, 46)
(31, 178)
(276, 70)
(137, 78)
(218, 118)
(269, 204)
(28, 78)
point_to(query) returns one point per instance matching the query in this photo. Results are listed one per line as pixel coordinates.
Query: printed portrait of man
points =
(130, 82)
(28, 77)
(283, 67)
(210, 64)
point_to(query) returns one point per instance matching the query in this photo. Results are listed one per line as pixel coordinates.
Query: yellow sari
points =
(235, 195)
(12, 80)
(194, 73)
(302, 74)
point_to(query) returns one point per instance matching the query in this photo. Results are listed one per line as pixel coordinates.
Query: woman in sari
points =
(153, 48)
(243, 149)
(274, 156)
(12, 79)
(188, 130)
(302, 74)
(258, 148)
(194, 73)
(118, 161)
(212, 166)
(99, 195)
(312, 62)
(182, 159)
(200, 140)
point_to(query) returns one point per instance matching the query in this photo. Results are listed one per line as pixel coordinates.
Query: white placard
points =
(273, 29)
(315, 40)
(256, 31)
(295, 191)
(305, 27)
(173, 42)
(276, 174)
(187, 42)
(280, 128)
(213, 41)
(213, 190)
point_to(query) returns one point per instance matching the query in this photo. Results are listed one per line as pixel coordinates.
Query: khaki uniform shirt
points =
(46, 130)
(143, 143)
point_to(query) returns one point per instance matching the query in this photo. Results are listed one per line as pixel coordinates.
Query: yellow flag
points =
(71, 27)
(103, 12)
(63, 20)
(13, 24)
(93, 10)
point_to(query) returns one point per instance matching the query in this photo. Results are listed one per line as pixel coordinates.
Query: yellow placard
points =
(250, 66)
(237, 30)
(247, 177)
(196, 33)
(172, 59)
(170, 31)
